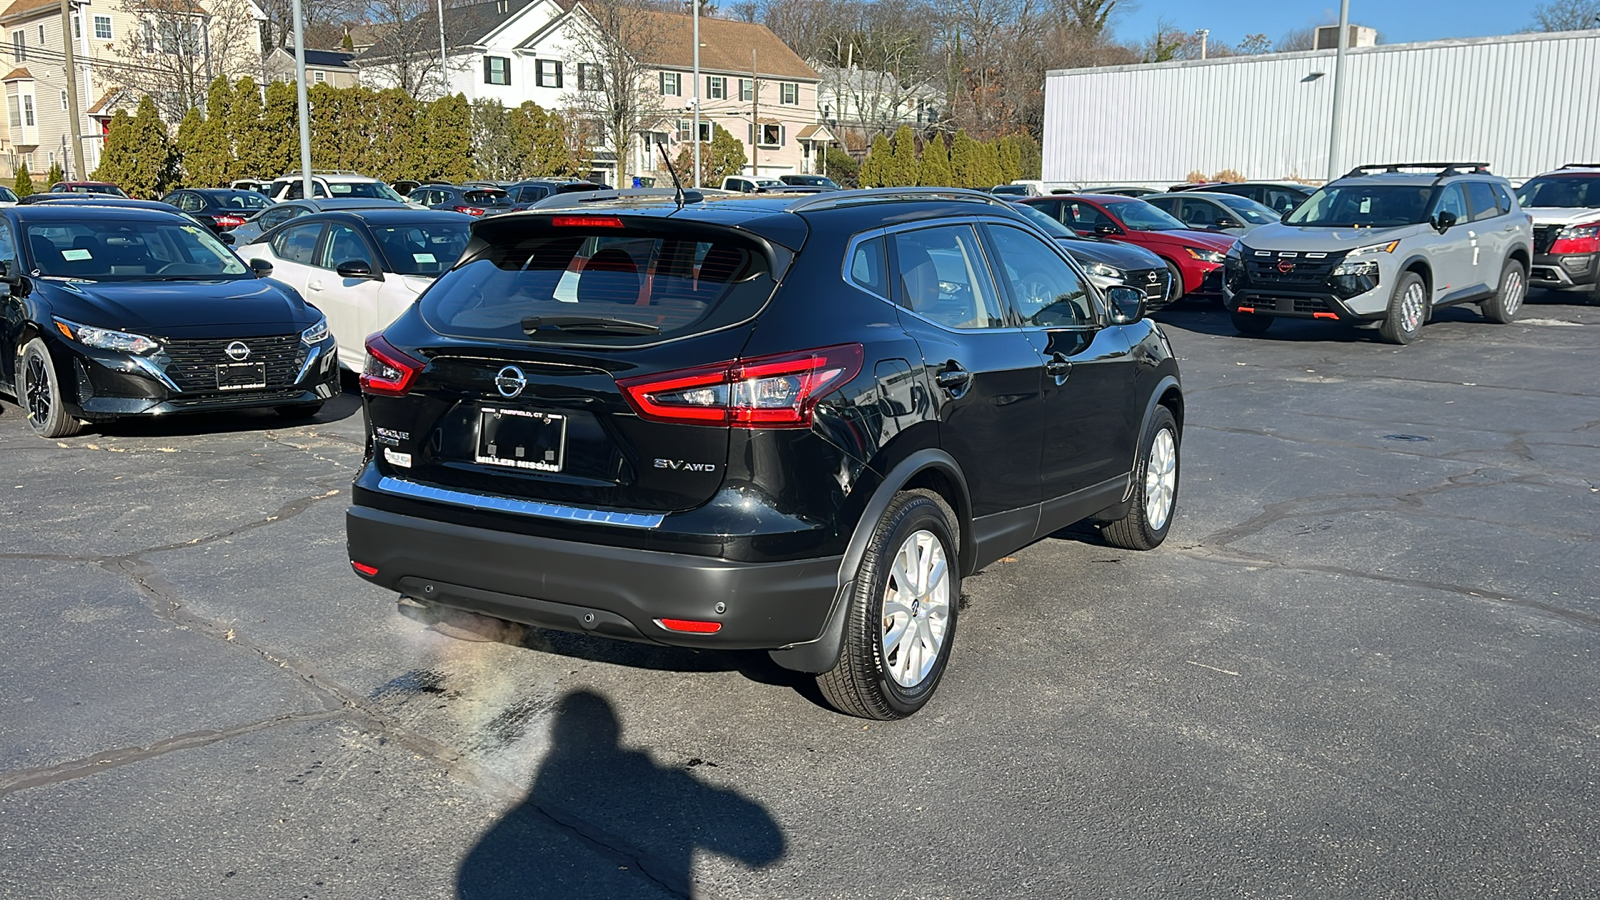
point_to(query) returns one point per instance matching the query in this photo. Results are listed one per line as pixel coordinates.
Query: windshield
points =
(111, 189)
(375, 189)
(1565, 191)
(1049, 225)
(426, 248)
(487, 198)
(130, 250)
(1138, 215)
(1251, 212)
(1362, 205)
(6, 196)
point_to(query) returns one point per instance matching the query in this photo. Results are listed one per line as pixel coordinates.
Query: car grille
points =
(1287, 304)
(1544, 237)
(194, 363)
(1152, 281)
(1308, 273)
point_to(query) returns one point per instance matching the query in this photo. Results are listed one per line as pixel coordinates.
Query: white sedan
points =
(362, 268)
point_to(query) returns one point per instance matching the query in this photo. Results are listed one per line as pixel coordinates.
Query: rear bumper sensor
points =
(538, 509)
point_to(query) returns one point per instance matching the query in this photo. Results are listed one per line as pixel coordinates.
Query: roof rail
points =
(333, 172)
(1581, 166)
(1445, 169)
(836, 199)
(578, 199)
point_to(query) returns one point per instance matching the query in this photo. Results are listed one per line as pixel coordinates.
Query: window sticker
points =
(75, 255)
(423, 259)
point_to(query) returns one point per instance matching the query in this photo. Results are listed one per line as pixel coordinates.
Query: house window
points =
(589, 78)
(548, 72)
(496, 70)
(671, 84)
(791, 93)
(686, 128)
(319, 76)
(16, 110)
(63, 99)
(716, 87)
(19, 46)
(41, 35)
(27, 110)
(77, 26)
(102, 28)
(771, 135)
(747, 89)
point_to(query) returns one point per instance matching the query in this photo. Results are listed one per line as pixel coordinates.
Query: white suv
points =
(335, 185)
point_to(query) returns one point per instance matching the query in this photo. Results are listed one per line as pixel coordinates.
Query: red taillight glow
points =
(388, 372)
(1578, 239)
(229, 221)
(766, 392)
(690, 626)
(470, 210)
(363, 568)
(586, 222)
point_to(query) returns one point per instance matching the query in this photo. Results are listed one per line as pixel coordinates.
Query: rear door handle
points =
(313, 285)
(954, 380)
(1058, 367)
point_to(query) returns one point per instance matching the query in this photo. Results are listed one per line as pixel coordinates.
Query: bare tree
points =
(324, 20)
(177, 47)
(405, 52)
(1298, 39)
(1566, 15)
(615, 44)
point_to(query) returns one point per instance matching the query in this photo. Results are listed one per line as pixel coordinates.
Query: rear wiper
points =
(585, 325)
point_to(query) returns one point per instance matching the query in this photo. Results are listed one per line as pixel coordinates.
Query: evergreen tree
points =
(496, 152)
(23, 186)
(445, 139)
(723, 156)
(279, 134)
(392, 136)
(1010, 159)
(54, 175)
(874, 169)
(217, 165)
(964, 161)
(246, 132)
(988, 165)
(190, 143)
(935, 169)
(544, 150)
(842, 168)
(138, 155)
(902, 169)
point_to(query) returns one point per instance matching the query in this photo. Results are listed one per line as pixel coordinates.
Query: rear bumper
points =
(1566, 271)
(616, 592)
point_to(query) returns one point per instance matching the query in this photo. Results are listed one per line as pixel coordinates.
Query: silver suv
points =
(1385, 246)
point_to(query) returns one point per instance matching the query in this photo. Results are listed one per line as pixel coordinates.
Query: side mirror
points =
(1127, 304)
(225, 237)
(354, 268)
(261, 267)
(10, 274)
(1444, 221)
(1107, 228)
(1226, 222)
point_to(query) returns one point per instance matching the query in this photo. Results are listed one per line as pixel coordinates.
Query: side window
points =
(8, 246)
(1047, 291)
(191, 203)
(1503, 199)
(944, 279)
(279, 216)
(344, 245)
(1083, 217)
(297, 243)
(869, 267)
(1453, 201)
(1481, 196)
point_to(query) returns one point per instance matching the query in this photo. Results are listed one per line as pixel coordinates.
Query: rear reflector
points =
(690, 626)
(587, 222)
(1246, 309)
(778, 391)
(388, 372)
(1324, 315)
(363, 568)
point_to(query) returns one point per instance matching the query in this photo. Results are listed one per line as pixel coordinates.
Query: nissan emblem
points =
(237, 351)
(510, 381)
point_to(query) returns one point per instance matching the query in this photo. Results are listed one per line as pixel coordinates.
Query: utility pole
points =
(305, 105)
(72, 91)
(444, 59)
(755, 117)
(1338, 90)
(1203, 33)
(696, 92)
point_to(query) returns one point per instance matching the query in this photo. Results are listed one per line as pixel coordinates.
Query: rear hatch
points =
(521, 397)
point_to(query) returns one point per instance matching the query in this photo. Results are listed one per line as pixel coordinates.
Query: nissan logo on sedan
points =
(510, 381)
(237, 351)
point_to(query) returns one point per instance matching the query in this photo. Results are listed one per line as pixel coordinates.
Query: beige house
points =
(331, 67)
(123, 49)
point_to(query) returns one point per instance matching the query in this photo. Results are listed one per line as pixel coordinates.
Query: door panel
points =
(1453, 254)
(347, 302)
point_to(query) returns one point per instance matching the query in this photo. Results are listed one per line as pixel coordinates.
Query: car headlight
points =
(1236, 251)
(316, 334)
(1372, 249)
(1105, 271)
(106, 338)
(1210, 256)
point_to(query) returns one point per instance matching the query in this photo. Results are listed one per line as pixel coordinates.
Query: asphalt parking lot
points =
(1363, 665)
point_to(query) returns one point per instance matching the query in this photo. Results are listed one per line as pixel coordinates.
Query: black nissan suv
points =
(778, 423)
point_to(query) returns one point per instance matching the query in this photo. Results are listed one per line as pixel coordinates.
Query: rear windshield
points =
(130, 250)
(427, 248)
(678, 285)
(487, 197)
(361, 189)
(239, 200)
(1569, 191)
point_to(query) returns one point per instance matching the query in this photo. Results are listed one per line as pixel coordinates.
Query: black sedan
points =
(474, 201)
(223, 209)
(1108, 263)
(114, 311)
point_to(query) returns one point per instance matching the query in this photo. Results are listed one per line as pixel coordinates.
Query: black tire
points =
(1146, 524)
(1251, 323)
(1503, 307)
(304, 411)
(1175, 291)
(1404, 321)
(39, 393)
(862, 682)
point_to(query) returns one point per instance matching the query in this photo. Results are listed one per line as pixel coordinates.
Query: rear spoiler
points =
(579, 199)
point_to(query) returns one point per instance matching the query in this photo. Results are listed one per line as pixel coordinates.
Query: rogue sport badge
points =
(237, 351)
(510, 381)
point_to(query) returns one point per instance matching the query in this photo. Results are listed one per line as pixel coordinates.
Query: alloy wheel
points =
(1160, 479)
(1411, 308)
(37, 379)
(1514, 292)
(916, 609)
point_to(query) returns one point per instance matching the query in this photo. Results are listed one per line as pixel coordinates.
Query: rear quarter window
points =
(681, 284)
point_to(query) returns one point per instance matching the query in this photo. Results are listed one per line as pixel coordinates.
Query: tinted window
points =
(297, 243)
(532, 194)
(671, 283)
(1084, 217)
(1481, 196)
(1561, 191)
(869, 267)
(944, 279)
(1454, 201)
(426, 249)
(1047, 224)
(274, 217)
(1046, 290)
(129, 250)
(8, 246)
(1503, 199)
(486, 198)
(344, 245)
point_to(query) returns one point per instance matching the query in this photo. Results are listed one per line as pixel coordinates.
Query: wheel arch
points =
(1420, 266)
(1168, 393)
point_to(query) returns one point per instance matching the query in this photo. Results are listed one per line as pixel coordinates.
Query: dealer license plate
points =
(521, 439)
(241, 376)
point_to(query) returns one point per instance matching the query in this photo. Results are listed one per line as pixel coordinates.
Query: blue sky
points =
(1398, 22)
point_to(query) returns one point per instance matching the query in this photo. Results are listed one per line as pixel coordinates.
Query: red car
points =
(1194, 257)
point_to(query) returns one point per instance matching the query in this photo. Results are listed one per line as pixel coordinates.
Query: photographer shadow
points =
(603, 821)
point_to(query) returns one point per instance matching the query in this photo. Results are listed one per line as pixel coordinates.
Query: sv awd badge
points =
(678, 465)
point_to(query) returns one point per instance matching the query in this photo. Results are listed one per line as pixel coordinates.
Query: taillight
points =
(228, 221)
(1578, 239)
(470, 210)
(766, 392)
(388, 372)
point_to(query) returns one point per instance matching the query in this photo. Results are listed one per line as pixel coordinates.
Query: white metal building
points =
(1526, 104)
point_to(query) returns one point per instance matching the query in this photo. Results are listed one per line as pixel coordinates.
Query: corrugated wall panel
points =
(1524, 103)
